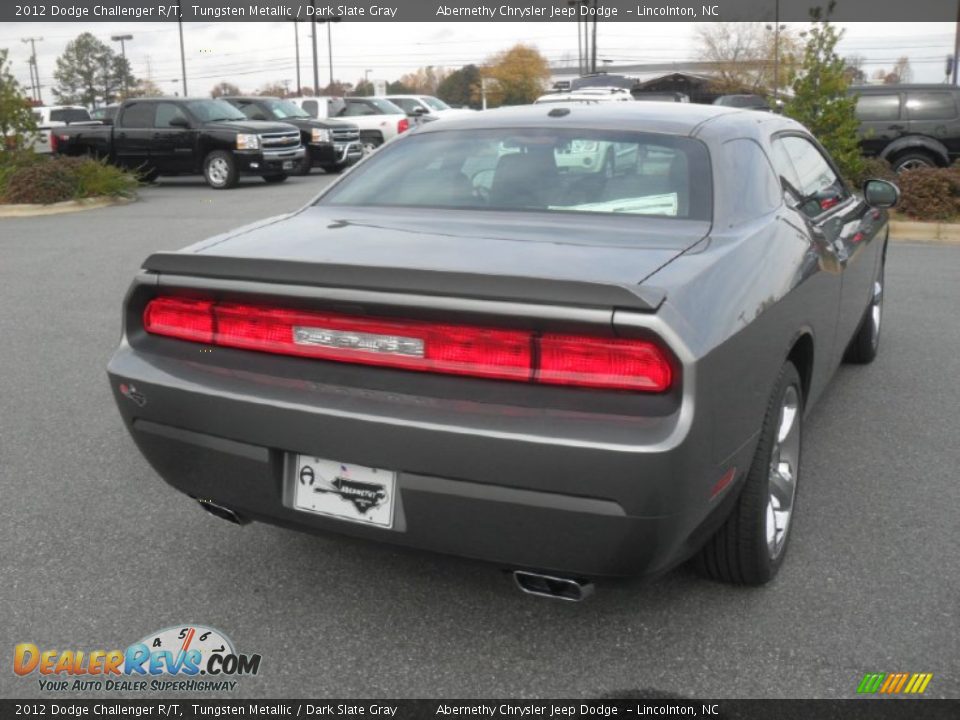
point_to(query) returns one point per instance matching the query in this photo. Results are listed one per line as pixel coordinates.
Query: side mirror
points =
(179, 121)
(881, 193)
(420, 111)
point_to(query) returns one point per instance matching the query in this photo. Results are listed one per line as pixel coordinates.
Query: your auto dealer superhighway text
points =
(521, 711)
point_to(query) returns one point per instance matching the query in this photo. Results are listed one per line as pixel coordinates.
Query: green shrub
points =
(872, 168)
(50, 180)
(930, 193)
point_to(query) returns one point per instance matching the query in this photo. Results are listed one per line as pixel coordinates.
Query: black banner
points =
(189, 709)
(470, 10)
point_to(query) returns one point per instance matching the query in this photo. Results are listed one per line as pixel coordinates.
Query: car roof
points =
(663, 117)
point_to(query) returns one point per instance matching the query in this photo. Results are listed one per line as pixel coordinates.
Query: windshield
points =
(69, 115)
(435, 103)
(282, 109)
(210, 110)
(370, 106)
(587, 171)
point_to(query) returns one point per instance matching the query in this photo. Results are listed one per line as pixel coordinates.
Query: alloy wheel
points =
(784, 466)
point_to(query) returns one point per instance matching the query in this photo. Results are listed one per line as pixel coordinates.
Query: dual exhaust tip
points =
(549, 586)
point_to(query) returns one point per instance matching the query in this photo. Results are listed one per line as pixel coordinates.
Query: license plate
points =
(350, 492)
(288, 164)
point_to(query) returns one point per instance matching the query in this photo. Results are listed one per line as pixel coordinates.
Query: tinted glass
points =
(757, 191)
(820, 188)
(408, 105)
(878, 107)
(69, 115)
(354, 109)
(588, 171)
(138, 115)
(436, 103)
(311, 107)
(210, 110)
(167, 112)
(253, 111)
(931, 106)
(282, 109)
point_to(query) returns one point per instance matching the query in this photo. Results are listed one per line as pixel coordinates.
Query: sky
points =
(252, 54)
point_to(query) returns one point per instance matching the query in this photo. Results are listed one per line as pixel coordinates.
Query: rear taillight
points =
(524, 355)
(53, 142)
(403, 125)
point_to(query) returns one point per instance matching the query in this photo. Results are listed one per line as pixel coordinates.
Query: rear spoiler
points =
(410, 280)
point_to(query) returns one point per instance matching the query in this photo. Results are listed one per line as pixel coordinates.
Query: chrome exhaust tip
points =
(224, 513)
(558, 588)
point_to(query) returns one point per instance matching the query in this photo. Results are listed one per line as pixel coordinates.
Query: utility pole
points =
(328, 22)
(956, 45)
(296, 44)
(122, 39)
(34, 70)
(183, 57)
(593, 57)
(313, 36)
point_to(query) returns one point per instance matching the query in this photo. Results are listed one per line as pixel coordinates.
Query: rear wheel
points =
(333, 169)
(304, 166)
(864, 345)
(749, 548)
(275, 178)
(913, 160)
(369, 143)
(220, 170)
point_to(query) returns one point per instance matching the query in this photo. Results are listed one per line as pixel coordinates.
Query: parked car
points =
(457, 347)
(910, 126)
(425, 108)
(678, 97)
(331, 144)
(379, 120)
(179, 136)
(48, 117)
(587, 95)
(745, 102)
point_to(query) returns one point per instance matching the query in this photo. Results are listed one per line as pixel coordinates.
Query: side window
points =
(756, 191)
(783, 166)
(931, 106)
(311, 107)
(138, 115)
(167, 112)
(354, 109)
(820, 188)
(878, 107)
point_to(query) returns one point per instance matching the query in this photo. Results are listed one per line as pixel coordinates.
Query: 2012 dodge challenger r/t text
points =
(574, 341)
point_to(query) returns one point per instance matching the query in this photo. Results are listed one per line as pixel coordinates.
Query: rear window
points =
(583, 171)
(878, 107)
(69, 115)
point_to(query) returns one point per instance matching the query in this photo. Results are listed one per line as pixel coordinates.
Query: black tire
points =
(912, 160)
(333, 169)
(273, 179)
(303, 167)
(370, 142)
(741, 552)
(865, 344)
(220, 170)
(148, 175)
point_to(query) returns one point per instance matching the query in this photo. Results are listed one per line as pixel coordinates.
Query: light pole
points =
(328, 21)
(122, 39)
(34, 70)
(296, 44)
(183, 57)
(313, 38)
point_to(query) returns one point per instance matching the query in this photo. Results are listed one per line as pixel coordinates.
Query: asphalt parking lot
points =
(96, 551)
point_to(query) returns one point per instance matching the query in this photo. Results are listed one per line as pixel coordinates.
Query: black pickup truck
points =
(184, 136)
(331, 144)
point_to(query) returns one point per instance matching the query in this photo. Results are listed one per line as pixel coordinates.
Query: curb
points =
(931, 232)
(67, 206)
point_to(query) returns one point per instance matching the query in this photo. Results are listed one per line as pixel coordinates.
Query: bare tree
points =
(744, 55)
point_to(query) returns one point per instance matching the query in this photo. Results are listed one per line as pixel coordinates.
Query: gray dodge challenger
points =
(574, 341)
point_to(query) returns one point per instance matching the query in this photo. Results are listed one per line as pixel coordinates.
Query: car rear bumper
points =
(519, 487)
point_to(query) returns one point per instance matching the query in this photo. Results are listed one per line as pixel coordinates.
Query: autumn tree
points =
(519, 74)
(853, 69)
(17, 124)
(273, 89)
(224, 88)
(425, 80)
(146, 88)
(745, 55)
(820, 100)
(461, 87)
(90, 72)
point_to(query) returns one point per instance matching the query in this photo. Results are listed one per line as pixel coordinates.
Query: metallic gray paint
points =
(732, 302)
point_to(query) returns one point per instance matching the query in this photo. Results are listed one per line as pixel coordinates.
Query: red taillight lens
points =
(53, 142)
(555, 359)
(403, 125)
(184, 319)
(597, 362)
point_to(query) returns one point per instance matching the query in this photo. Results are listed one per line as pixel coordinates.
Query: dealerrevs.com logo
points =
(188, 658)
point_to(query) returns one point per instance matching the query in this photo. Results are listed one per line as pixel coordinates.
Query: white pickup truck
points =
(379, 120)
(51, 116)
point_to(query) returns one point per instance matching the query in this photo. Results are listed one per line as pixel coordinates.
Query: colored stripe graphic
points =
(894, 683)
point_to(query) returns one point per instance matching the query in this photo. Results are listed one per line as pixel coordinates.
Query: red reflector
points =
(403, 125)
(578, 360)
(598, 362)
(184, 319)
